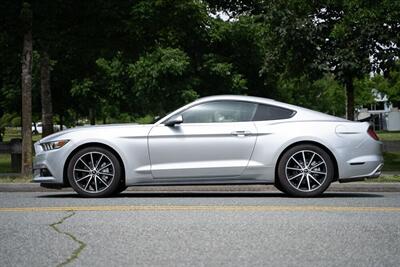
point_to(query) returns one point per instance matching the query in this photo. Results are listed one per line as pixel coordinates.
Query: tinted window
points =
(220, 111)
(266, 112)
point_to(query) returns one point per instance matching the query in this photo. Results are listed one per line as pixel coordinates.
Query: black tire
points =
(107, 178)
(305, 180)
(121, 188)
(278, 186)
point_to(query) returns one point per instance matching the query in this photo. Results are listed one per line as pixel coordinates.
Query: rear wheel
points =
(94, 172)
(305, 171)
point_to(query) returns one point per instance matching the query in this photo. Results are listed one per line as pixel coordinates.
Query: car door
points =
(215, 139)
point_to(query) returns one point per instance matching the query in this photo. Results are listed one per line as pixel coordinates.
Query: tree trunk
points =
(350, 99)
(92, 116)
(47, 106)
(61, 122)
(26, 79)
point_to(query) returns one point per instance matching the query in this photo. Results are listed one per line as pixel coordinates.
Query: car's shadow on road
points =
(205, 194)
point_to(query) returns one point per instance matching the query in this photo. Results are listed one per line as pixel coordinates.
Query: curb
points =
(335, 187)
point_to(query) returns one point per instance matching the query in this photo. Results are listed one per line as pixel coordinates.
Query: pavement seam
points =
(75, 253)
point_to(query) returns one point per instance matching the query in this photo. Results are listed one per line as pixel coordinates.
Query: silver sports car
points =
(214, 140)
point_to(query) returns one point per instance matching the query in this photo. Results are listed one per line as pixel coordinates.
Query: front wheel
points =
(94, 172)
(305, 171)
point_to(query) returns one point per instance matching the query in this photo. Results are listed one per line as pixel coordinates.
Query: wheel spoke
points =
(295, 169)
(102, 168)
(304, 159)
(103, 173)
(297, 175)
(311, 160)
(296, 162)
(87, 184)
(81, 170)
(95, 183)
(84, 163)
(84, 177)
(319, 164)
(98, 162)
(301, 180)
(308, 182)
(91, 157)
(312, 177)
(101, 180)
(318, 172)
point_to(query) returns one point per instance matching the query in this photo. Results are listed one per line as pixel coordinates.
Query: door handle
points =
(241, 133)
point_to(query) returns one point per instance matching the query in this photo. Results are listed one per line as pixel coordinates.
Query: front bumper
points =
(48, 166)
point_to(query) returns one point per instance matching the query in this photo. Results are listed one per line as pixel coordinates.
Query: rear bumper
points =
(358, 161)
(372, 175)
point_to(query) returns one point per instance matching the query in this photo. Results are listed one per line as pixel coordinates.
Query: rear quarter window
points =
(268, 112)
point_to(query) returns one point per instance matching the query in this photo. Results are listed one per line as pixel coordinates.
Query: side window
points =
(267, 112)
(220, 111)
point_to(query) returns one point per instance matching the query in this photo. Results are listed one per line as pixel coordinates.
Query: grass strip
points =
(15, 179)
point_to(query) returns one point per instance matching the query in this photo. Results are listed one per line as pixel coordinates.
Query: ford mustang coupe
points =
(214, 140)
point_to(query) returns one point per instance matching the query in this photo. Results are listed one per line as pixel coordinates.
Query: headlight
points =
(53, 145)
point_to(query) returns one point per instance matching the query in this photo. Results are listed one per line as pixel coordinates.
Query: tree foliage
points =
(163, 74)
(348, 39)
(124, 60)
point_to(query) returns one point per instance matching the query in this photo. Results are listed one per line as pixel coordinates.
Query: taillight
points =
(372, 133)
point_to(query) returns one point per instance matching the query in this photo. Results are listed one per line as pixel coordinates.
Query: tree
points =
(47, 103)
(358, 37)
(389, 84)
(10, 59)
(26, 78)
(325, 94)
(163, 74)
(116, 61)
(348, 39)
(89, 96)
(46, 31)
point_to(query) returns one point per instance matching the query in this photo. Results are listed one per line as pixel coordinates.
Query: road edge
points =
(335, 187)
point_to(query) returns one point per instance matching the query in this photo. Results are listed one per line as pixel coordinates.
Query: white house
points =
(381, 113)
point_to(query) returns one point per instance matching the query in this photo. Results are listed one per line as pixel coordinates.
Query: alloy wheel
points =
(93, 172)
(306, 170)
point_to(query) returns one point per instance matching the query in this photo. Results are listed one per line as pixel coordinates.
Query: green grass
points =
(13, 132)
(5, 159)
(385, 179)
(388, 136)
(5, 163)
(392, 161)
(15, 179)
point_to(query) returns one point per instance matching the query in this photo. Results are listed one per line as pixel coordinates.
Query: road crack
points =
(74, 255)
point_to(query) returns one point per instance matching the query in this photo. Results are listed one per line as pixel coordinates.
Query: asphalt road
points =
(200, 229)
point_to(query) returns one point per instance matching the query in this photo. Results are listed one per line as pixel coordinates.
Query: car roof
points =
(236, 97)
(302, 113)
(253, 99)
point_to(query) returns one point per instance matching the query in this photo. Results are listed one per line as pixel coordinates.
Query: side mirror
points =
(174, 121)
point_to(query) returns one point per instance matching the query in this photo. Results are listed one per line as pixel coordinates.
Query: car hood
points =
(96, 129)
